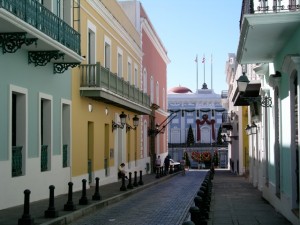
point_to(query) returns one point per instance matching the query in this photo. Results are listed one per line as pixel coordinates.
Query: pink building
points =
(154, 82)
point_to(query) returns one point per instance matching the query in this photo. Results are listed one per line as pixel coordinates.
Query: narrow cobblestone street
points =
(165, 203)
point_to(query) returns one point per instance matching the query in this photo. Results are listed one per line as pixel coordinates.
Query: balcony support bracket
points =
(62, 67)
(41, 58)
(11, 42)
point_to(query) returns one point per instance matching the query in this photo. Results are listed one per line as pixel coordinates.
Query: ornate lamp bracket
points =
(41, 58)
(62, 67)
(11, 42)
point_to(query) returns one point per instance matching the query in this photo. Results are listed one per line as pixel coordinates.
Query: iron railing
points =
(268, 6)
(96, 76)
(17, 161)
(65, 155)
(226, 117)
(35, 14)
(44, 157)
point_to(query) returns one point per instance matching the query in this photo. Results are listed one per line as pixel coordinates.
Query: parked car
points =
(176, 165)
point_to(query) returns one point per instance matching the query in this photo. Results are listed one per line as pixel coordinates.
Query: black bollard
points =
(129, 185)
(141, 178)
(123, 187)
(135, 183)
(195, 215)
(97, 195)
(203, 214)
(26, 218)
(51, 212)
(188, 223)
(69, 206)
(83, 200)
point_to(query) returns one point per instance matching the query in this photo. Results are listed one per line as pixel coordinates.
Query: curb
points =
(88, 209)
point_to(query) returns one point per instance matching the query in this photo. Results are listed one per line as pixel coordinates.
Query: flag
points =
(203, 59)
(196, 60)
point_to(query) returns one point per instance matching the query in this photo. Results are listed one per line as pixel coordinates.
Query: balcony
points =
(17, 159)
(265, 28)
(101, 84)
(44, 158)
(227, 119)
(29, 25)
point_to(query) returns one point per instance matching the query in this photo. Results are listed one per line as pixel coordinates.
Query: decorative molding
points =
(41, 58)
(290, 63)
(11, 42)
(62, 67)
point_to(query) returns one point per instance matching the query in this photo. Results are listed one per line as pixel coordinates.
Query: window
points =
(145, 81)
(129, 71)
(107, 44)
(151, 89)
(157, 93)
(66, 131)
(45, 131)
(164, 99)
(18, 127)
(120, 63)
(91, 43)
(135, 76)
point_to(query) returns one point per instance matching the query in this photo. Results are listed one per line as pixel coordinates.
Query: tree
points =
(190, 137)
(187, 159)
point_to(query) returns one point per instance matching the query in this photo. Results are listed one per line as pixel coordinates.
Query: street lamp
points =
(135, 124)
(242, 84)
(251, 129)
(122, 120)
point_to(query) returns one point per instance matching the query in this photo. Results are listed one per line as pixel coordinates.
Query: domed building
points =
(195, 120)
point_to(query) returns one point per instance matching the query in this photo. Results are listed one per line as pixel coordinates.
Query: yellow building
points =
(105, 86)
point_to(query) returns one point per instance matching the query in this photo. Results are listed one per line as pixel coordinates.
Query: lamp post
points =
(242, 84)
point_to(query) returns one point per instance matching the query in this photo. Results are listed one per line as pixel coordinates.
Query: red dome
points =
(180, 90)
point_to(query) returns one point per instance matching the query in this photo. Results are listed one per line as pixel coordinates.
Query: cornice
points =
(154, 39)
(111, 21)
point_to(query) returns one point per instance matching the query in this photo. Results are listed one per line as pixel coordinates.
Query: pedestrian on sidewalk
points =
(157, 163)
(167, 164)
(122, 172)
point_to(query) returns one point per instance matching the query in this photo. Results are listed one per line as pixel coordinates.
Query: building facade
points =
(200, 112)
(106, 90)
(36, 97)
(154, 83)
(273, 55)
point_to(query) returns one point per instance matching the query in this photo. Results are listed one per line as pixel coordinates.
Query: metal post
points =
(83, 200)
(26, 218)
(51, 212)
(97, 195)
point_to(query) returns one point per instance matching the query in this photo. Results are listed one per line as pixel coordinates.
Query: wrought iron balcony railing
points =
(268, 6)
(35, 14)
(17, 160)
(44, 157)
(96, 77)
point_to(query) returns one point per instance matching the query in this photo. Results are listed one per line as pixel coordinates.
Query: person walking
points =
(157, 163)
(167, 164)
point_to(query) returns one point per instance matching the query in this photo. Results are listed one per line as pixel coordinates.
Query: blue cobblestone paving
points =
(167, 203)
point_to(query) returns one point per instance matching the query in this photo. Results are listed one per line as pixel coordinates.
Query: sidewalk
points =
(110, 193)
(235, 201)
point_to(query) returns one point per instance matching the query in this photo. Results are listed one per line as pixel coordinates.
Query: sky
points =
(188, 28)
